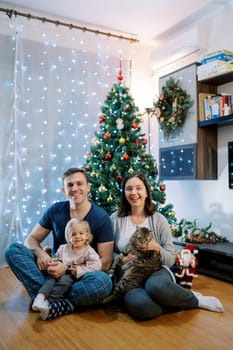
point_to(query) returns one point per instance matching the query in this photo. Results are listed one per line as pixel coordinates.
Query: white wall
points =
(206, 201)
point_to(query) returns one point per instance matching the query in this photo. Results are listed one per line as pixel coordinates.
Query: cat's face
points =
(141, 236)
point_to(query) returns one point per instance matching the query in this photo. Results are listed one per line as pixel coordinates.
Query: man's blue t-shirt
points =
(56, 217)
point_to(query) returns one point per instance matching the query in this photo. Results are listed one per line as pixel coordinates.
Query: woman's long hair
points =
(125, 208)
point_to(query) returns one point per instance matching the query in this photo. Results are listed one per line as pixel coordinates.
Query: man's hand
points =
(56, 269)
(127, 258)
(43, 259)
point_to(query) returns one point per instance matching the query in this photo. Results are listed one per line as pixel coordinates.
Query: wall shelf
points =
(218, 79)
(193, 153)
(182, 159)
(219, 122)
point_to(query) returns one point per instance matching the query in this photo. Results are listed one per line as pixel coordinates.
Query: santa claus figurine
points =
(186, 263)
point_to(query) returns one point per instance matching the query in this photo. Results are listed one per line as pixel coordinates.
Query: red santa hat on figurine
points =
(192, 248)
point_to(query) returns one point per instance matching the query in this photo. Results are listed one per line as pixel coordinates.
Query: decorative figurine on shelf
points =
(185, 267)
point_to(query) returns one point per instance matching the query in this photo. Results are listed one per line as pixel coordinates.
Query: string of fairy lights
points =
(53, 82)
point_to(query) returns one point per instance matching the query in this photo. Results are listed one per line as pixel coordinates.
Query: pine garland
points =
(172, 107)
(187, 231)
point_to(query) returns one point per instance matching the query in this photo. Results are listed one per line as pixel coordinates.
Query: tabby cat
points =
(134, 272)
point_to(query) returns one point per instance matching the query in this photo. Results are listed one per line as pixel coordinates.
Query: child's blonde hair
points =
(75, 222)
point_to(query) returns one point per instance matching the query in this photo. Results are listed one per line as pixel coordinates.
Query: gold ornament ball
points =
(102, 189)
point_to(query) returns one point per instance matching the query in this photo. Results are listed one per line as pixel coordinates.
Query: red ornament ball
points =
(102, 118)
(162, 187)
(107, 136)
(119, 177)
(125, 156)
(108, 155)
(120, 76)
(134, 125)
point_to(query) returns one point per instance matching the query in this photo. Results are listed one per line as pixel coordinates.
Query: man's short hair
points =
(74, 170)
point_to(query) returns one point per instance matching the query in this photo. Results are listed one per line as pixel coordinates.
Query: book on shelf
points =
(214, 106)
(207, 108)
(226, 104)
(203, 115)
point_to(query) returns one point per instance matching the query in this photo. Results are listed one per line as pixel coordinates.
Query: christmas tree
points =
(119, 148)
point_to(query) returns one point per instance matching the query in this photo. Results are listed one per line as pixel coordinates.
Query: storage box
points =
(213, 68)
(222, 55)
(210, 66)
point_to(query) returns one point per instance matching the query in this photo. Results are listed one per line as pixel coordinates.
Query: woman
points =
(160, 293)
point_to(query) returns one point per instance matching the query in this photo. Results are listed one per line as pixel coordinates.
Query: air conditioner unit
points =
(176, 49)
(182, 53)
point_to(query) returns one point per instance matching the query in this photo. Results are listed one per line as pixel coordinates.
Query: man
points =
(29, 261)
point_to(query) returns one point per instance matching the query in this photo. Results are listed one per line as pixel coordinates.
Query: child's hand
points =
(73, 269)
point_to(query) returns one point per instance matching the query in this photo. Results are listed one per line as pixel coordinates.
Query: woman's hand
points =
(152, 245)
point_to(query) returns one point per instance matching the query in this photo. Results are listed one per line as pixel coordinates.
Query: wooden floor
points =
(109, 329)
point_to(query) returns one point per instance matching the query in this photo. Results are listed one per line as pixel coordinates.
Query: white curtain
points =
(53, 82)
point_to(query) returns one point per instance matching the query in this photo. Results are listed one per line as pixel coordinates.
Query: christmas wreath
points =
(172, 106)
